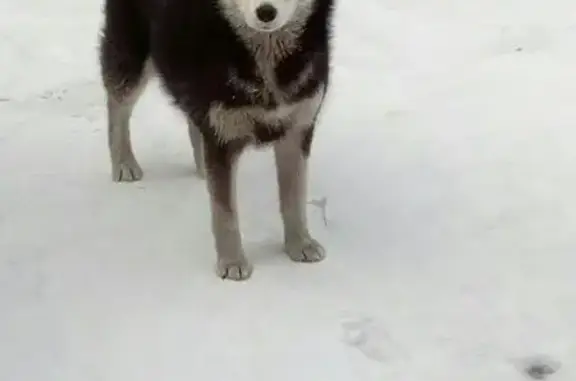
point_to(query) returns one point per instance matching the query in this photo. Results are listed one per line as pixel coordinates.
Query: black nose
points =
(266, 12)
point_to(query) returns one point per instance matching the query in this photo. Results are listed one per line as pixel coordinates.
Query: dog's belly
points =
(261, 125)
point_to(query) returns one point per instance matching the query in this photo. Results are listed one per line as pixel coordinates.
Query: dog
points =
(244, 73)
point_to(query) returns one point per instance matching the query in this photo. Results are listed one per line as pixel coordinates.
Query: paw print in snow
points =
(371, 339)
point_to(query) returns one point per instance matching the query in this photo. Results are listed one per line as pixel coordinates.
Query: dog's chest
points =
(259, 124)
(275, 102)
(277, 73)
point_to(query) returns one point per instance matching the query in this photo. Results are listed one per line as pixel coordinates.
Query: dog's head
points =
(269, 15)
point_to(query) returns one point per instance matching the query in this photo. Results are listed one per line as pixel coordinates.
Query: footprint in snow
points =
(371, 339)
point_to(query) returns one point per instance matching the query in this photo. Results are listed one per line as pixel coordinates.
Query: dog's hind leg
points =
(197, 147)
(124, 52)
(124, 164)
(291, 155)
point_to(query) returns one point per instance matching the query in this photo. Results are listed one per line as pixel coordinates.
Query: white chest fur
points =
(239, 122)
(268, 50)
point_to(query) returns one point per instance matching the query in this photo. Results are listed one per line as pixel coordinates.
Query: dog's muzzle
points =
(266, 13)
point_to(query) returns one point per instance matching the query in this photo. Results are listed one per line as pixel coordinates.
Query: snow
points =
(446, 158)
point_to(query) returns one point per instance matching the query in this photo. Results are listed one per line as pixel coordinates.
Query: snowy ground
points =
(451, 222)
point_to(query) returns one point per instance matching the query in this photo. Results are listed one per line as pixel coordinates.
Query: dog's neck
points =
(268, 47)
(268, 50)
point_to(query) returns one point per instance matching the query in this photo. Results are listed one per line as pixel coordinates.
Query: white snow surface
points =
(447, 158)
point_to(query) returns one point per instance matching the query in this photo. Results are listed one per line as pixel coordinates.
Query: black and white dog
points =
(244, 72)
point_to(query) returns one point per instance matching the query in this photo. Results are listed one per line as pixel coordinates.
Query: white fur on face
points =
(288, 11)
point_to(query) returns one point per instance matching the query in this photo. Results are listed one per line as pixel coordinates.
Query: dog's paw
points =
(237, 269)
(305, 250)
(127, 171)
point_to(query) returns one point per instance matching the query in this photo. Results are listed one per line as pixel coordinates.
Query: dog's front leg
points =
(291, 155)
(221, 161)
